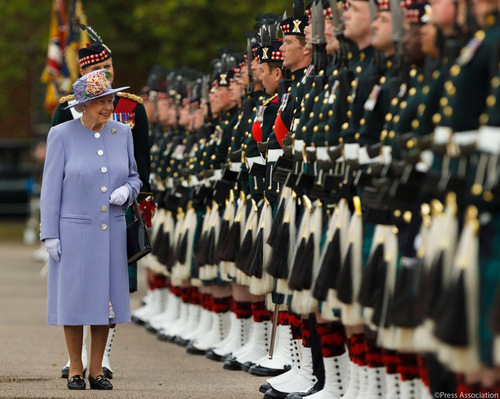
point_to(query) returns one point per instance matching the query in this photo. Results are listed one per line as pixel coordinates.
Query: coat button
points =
(97, 135)
(104, 169)
(100, 152)
(104, 208)
(104, 189)
(104, 226)
(114, 130)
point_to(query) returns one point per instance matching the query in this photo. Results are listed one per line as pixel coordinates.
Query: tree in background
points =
(171, 33)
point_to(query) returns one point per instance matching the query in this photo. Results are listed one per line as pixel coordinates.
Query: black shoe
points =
(100, 382)
(76, 382)
(232, 364)
(181, 341)
(274, 394)
(266, 372)
(107, 373)
(299, 395)
(213, 356)
(161, 335)
(150, 328)
(193, 350)
(65, 372)
(246, 366)
(265, 387)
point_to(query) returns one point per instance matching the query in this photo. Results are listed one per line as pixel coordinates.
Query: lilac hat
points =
(93, 85)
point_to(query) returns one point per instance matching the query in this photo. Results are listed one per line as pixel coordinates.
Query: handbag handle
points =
(139, 215)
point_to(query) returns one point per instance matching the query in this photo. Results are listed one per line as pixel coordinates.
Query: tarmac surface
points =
(33, 353)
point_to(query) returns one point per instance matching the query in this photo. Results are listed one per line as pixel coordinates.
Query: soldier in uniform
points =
(128, 109)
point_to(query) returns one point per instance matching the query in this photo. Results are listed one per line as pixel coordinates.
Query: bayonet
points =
(320, 28)
(397, 21)
(338, 24)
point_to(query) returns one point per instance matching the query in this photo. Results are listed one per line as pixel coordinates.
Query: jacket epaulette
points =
(130, 96)
(67, 98)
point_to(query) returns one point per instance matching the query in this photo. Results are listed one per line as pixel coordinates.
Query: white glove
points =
(119, 196)
(53, 247)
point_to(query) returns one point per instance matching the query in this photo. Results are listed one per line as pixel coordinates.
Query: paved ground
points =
(32, 353)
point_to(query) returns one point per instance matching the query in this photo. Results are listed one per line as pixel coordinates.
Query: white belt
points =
(193, 181)
(339, 159)
(465, 138)
(217, 175)
(386, 154)
(426, 159)
(364, 158)
(235, 166)
(488, 139)
(252, 160)
(298, 146)
(442, 135)
(322, 154)
(351, 151)
(273, 155)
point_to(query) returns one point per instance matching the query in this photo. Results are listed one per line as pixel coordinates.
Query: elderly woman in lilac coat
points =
(89, 179)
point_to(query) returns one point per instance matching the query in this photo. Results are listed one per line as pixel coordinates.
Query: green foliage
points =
(170, 33)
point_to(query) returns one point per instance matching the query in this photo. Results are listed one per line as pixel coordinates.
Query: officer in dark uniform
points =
(296, 58)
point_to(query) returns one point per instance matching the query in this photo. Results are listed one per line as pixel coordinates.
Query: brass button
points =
(104, 226)
(104, 169)
(100, 152)
(104, 189)
(491, 100)
(415, 124)
(330, 113)
(455, 70)
(448, 112)
(412, 91)
(356, 136)
(345, 125)
(436, 118)
(104, 208)
(388, 117)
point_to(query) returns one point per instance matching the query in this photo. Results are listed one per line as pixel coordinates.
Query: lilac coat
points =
(82, 168)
